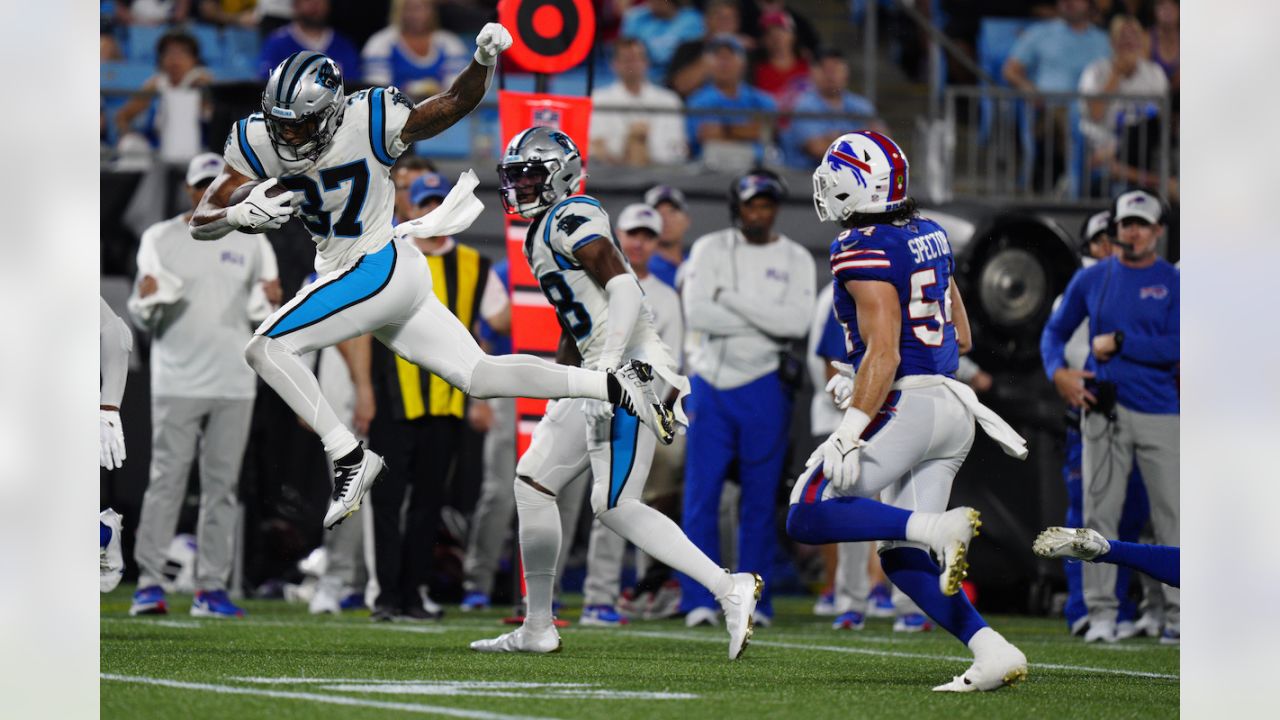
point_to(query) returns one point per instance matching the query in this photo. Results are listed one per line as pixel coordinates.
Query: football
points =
(239, 194)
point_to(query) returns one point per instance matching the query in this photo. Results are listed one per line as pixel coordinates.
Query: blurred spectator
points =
(670, 253)
(152, 12)
(1107, 10)
(108, 47)
(229, 12)
(661, 25)
(1164, 40)
(628, 134)
(413, 53)
(310, 31)
(747, 291)
(727, 90)
(752, 11)
(174, 94)
(806, 140)
(689, 68)
(273, 14)
(1128, 127)
(408, 167)
(781, 69)
(198, 301)
(1051, 55)
(419, 423)
(1131, 405)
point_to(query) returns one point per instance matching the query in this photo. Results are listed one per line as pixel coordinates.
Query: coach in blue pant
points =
(746, 290)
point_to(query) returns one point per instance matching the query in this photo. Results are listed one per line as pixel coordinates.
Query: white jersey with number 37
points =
(583, 306)
(348, 195)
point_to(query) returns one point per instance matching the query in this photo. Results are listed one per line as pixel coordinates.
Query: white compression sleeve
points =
(539, 549)
(115, 342)
(657, 535)
(625, 301)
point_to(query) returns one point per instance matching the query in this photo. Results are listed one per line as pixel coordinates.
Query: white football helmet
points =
(862, 172)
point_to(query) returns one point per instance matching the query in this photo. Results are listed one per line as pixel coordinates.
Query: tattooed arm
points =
(439, 112)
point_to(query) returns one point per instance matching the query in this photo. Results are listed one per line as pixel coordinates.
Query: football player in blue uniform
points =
(1162, 562)
(908, 423)
(333, 153)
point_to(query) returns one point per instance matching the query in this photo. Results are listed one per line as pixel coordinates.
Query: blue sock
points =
(847, 519)
(104, 534)
(1159, 561)
(915, 573)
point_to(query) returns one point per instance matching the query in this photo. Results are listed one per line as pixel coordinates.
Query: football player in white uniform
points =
(605, 325)
(333, 153)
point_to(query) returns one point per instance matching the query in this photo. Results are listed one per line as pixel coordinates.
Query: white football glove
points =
(492, 40)
(259, 212)
(841, 390)
(597, 411)
(111, 434)
(841, 460)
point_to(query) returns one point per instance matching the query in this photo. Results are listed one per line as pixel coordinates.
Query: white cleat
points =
(350, 485)
(739, 610)
(1060, 542)
(520, 640)
(951, 536)
(110, 559)
(1101, 631)
(1003, 665)
(641, 399)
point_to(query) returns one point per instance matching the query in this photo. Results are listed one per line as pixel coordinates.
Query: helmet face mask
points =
(541, 167)
(302, 104)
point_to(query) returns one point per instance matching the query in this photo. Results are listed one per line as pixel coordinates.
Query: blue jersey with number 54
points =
(348, 195)
(915, 258)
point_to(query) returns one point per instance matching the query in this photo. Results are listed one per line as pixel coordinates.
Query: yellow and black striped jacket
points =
(459, 277)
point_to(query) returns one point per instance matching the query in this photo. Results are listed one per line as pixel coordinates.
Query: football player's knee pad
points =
(530, 495)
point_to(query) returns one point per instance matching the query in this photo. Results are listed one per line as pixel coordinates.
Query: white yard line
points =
(313, 697)
(892, 653)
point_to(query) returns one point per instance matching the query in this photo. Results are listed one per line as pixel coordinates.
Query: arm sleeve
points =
(1062, 323)
(1160, 349)
(789, 318)
(625, 301)
(389, 110)
(699, 279)
(115, 343)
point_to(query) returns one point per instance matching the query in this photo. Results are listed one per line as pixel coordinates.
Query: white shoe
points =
(350, 485)
(951, 536)
(740, 610)
(1101, 631)
(1149, 625)
(998, 665)
(1060, 542)
(1126, 629)
(701, 616)
(325, 601)
(641, 399)
(521, 639)
(110, 559)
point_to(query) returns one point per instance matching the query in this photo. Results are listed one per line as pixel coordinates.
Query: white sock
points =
(656, 534)
(986, 641)
(539, 548)
(920, 526)
(533, 377)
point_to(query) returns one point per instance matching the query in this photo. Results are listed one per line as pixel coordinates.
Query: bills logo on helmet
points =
(842, 156)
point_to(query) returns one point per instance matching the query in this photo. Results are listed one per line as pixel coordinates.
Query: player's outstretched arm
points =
(439, 112)
(209, 221)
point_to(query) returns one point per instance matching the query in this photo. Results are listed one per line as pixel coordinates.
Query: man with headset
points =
(1130, 401)
(747, 291)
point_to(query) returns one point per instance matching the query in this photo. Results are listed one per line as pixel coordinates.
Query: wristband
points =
(1119, 336)
(854, 423)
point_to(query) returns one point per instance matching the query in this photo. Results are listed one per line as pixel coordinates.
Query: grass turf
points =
(280, 662)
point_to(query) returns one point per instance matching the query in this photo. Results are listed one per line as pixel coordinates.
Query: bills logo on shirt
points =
(776, 274)
(234, 258)
(1153, 292)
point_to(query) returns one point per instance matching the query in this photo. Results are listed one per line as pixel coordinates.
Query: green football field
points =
(280, 662)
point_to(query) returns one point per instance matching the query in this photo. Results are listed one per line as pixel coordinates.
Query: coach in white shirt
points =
(747, 291)
(199, 302)
(630, 135)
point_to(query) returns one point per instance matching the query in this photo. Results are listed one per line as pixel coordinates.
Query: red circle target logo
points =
(551, 36)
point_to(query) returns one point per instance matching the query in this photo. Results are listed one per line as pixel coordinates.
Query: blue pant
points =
(1132, 519)
(747, 424)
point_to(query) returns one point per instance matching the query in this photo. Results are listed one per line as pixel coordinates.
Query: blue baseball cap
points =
(429, 185)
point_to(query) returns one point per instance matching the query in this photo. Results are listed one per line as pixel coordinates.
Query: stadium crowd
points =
(441, 531)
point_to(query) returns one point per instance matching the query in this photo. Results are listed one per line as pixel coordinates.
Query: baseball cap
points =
(429, 185)
(640, 216)
(659, 194)
(777, 18)
(1097, 223)
(205, 166)
(1138, 204)
(754, 184)
(726, 40)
